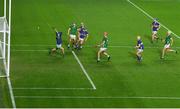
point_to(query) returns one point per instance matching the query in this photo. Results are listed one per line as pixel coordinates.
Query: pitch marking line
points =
(11, 93)
(83, 69)
(40, 88)
(9, 84)
(123, 46)
(96, 97)
(136, 6)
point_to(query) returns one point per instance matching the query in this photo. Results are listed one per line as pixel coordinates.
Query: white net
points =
(3, 48)
(2, 59)
(3, 24)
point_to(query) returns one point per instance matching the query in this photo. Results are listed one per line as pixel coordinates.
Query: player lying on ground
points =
(140, 48)
(82, 36)
(155, 28)
(168, 43)
(58, 43)
(72, 32)
(103, 47)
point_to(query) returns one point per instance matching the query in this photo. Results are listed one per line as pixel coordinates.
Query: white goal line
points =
(44, 88)
(97, 97)
(115, 46)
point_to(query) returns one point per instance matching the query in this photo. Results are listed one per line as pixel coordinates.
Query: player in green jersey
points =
(72, 32)
(168, 43)
(103, 47)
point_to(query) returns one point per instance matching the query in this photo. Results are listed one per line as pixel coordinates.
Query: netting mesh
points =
(2, 60)
(3, 24)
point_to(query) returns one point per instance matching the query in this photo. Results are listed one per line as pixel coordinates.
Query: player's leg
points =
(52, 51)
(77, 43)
(171, 50)
(138, 54)
(108, 56)
(69, 42)
(62, 50)
(163, 52)
(99, 54)
(81, 43)
(154, 36)
(166, 49)
(74, 41)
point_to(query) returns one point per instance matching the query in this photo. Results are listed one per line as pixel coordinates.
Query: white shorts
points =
(103, 49)
(140, 50)
(58, 45)
(166, 46)
(81, 39)
(73, 36)
(154, 32)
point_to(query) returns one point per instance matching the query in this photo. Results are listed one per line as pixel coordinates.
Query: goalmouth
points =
(5, 34)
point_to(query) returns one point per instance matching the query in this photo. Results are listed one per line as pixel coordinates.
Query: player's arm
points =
(159, 27)
(78, 35)
(87, 37)
(152, 25)
(163, 40)
(69, 31)
(137, 46)
(55, 29)
(78, 29)
(101, 44)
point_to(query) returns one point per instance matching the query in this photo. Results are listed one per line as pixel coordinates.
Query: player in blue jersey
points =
(140, 48)
(58, 42)
(155, 27)
(82, 36)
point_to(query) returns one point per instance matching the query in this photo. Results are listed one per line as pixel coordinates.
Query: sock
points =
(138, 58)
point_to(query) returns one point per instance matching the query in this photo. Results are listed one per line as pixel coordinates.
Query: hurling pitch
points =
(41, 80)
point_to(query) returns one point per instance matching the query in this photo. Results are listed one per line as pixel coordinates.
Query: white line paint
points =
(34, 45)
(30, 50)
(86, 46)
(11, 93)
(83, 69)
(43, 88)
(152, 17)
(3, 76)
(44, 50)
(97, 97)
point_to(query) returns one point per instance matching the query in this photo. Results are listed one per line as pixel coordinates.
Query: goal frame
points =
(6, 31)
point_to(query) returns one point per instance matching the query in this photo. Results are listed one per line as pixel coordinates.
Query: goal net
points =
(3, 46)
(2, 66)
(5, 34)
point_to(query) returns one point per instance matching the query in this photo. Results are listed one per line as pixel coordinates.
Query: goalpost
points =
(5, 36)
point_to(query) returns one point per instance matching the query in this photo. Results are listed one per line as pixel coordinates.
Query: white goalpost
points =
(5, 36)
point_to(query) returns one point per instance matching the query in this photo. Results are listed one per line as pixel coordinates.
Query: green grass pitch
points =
(41, 80)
